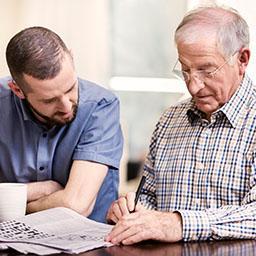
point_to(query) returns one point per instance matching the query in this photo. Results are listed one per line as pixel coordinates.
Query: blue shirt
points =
(29, 152)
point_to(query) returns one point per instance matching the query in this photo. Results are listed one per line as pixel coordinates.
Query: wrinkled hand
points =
(144, 225)
(121, 207)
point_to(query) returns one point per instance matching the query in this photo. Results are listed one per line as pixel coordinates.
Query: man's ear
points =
(16, 89)
(243, 60)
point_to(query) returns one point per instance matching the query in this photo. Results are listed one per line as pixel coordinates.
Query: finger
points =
(132, 234)
(122, 203)
(114, 213)
(116, 210)
(136, 238)
(115, 219)
(131, 217)
(130, 198)
(111, 219)
(110, 213)
(116, 230)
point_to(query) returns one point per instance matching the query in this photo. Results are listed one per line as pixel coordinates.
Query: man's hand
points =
(121, 207)
(37, 190)
(144, 225)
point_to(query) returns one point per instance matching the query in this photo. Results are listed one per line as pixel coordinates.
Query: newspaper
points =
(52, 231)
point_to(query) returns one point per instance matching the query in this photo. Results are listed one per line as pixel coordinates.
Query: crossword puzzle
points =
(14, 230)
(75, 237)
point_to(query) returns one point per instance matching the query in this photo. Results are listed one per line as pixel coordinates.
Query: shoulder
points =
(176, 111)
(5, 92)
(96, 102)
(90, 92)
(173, 117)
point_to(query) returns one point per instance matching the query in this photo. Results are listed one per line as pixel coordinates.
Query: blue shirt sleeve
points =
(102, 140)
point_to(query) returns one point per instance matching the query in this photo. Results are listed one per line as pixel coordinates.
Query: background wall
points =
(247, 8)
(119, 38)
(89, 26)
(83, 25)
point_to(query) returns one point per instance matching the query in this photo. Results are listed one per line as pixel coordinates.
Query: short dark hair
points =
(35, 51)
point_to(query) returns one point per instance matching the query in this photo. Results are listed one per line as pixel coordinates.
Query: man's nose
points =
(194, 85)
(65, 104)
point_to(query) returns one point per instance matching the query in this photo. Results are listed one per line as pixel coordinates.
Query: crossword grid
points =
(75, 237)
(14, 230)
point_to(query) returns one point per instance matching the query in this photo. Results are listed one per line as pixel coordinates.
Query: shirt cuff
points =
(196, 225)
(95, 157)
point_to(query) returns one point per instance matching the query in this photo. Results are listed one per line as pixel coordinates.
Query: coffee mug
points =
(13, 200)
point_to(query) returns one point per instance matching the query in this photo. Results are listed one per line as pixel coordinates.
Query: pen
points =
(138, 192)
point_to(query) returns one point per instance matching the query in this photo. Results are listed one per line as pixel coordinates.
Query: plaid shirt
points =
(206, 170)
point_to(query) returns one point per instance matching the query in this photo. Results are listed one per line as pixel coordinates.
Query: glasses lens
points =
(186, 76)
(178, 73)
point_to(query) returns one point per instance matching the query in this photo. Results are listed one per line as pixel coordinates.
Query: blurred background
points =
(124, 45)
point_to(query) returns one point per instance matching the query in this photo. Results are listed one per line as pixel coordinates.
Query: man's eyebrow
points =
(69, 90)
(204, 65)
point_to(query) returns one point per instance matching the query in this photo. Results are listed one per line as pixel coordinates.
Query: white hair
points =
(222, 24)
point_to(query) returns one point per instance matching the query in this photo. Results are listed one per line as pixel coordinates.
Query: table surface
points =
(151, 248)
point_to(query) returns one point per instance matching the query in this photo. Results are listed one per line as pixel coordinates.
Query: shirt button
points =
(205, 123)
(208, 131)
(41, 168)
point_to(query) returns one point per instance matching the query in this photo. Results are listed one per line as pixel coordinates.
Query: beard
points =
(55, 119)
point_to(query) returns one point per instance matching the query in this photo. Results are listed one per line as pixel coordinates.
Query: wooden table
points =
(216, 248)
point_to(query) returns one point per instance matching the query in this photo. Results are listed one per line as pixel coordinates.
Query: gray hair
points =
(222, 24)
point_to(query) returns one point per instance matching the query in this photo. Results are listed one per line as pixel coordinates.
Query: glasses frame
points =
(199, 74)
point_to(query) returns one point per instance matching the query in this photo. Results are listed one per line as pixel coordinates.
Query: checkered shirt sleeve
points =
(206, 170)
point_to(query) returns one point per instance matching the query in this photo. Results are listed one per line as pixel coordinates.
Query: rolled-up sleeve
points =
(102, 140)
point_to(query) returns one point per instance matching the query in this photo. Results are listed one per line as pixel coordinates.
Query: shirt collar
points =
(235, 107)
(232, 110)
(25, 110)
(21, 104)
(193, 113)
(27, 115)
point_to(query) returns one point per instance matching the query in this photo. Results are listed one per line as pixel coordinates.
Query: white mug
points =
(13, 200)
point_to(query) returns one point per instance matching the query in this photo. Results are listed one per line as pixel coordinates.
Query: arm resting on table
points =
(80, 193)
(230, 221)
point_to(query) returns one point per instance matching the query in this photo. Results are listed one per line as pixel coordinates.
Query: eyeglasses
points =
(201, 75)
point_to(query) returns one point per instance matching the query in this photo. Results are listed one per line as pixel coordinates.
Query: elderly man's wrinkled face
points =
(199, 61)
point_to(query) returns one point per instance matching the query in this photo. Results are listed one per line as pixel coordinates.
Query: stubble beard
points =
(52, 121)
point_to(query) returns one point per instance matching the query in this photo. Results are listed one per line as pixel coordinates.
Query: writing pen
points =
(138, 192)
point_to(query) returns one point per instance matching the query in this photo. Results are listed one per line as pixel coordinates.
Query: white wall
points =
(82, 24)
(8, 19)
(247, 8)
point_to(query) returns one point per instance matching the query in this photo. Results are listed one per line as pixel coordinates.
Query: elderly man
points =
(201, 168)
(58, 133)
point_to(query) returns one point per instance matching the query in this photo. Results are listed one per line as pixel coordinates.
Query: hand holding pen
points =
(125, 204)
(138, 192)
